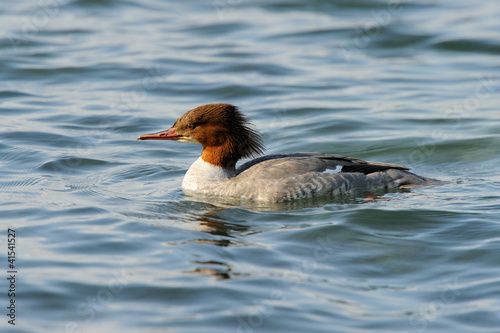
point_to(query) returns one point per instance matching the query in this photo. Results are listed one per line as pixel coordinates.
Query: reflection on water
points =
(278, 206)
(219, 270)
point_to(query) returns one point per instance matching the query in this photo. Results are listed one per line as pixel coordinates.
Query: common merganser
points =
(226, 135)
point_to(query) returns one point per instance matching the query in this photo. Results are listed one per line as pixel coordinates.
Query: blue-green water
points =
(107, 242)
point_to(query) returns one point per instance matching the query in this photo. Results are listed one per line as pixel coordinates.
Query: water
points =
(107, 242)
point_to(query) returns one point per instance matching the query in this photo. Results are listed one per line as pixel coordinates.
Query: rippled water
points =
(107, 242)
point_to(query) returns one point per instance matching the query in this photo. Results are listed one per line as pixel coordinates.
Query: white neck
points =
(202, 176)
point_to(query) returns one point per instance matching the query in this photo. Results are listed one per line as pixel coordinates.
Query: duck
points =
(227, 136)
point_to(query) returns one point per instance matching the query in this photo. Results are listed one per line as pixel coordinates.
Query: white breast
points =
(203, 176)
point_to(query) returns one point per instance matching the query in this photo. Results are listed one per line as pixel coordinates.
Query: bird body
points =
(227, 136)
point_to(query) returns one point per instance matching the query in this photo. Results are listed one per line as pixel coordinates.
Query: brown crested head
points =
(224, 132)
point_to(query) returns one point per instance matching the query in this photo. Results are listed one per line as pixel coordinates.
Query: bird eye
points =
(190, 126)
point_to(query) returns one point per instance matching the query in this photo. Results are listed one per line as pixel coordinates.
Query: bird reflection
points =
(259, 206)
(212, 223)
(216, 269)
(216, 220)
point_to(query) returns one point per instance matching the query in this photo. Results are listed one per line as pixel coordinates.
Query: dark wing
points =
(371, 167)
(320, 162)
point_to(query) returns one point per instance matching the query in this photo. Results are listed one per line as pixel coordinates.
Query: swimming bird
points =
(226, 136)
